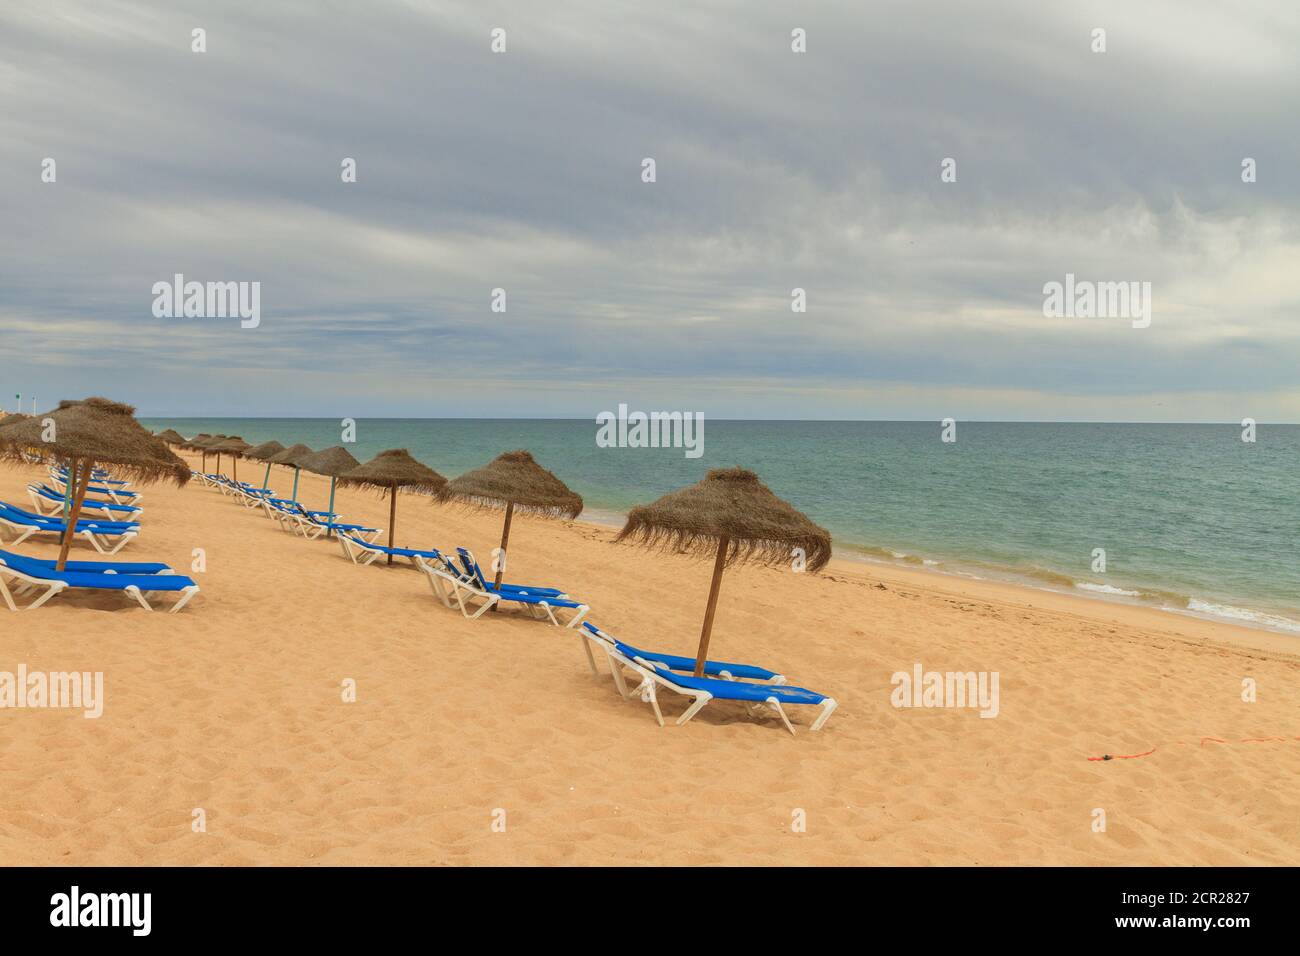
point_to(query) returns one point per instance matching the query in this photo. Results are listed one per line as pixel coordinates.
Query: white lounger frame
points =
(650, 677)
(365, 552)
(25, 531)
(311, 530)
(27, 585)
(445, 588)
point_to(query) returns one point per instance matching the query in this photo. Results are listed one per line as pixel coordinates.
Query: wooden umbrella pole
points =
(234, 463)
(296, 472)
(505, 539)
(719, 563)
(392, 518)
(78, 496)
(266, 479)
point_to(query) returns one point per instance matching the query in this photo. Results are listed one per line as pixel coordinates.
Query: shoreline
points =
(873, 557)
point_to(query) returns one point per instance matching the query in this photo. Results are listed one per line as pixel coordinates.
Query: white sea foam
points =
(1106, 589)
(1257, 618)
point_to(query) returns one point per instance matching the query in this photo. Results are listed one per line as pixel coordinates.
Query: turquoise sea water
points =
(1191, 517)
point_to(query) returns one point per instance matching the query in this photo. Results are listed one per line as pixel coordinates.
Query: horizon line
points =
(881, 421)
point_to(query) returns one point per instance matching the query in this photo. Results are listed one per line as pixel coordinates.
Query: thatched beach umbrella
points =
(90, 433)
(514, 480)
(171, 437)
(201, 444)
(233, 447)
(263, 452)
(735, 517)
(391, 470)
(331, 462)
(207, 445)
(292, 456)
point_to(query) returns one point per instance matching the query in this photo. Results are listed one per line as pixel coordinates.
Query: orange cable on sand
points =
(1217, 740)
(1123, 756)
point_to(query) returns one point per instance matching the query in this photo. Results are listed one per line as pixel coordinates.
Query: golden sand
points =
(235, 706)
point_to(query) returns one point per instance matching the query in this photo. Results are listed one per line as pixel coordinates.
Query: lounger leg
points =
(135, 593)
(648, 694)
(620, 682)
(773, 702)
(491, 602)
(185, 598)
(4, 592)
(696, 706)
(828, 707)
(54, 588)
(577, 618)
(438, 590)
(586, 646)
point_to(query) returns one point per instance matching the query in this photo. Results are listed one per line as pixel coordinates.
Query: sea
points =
(1189, 518)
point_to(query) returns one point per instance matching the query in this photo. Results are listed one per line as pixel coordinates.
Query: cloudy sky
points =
(775, 170)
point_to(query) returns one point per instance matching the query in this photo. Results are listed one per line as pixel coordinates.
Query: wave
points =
(1245, 615)
(1106, 589)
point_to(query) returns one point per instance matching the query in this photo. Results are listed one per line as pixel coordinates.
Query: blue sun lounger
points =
(686, 665)
(448, 587)
(312, 527)
(98, 474)
(32, 574)
(24, 524)
(475, 574)
(55, 502)
(701, 689)
(365, 552)
(117, 493)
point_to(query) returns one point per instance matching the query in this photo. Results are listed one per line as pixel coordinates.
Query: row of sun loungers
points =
(459, 582)
(290, 515)
(22, 576)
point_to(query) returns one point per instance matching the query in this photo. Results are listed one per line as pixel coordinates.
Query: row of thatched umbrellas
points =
(730, 515)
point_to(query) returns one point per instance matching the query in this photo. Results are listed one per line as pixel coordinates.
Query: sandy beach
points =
(234, 706)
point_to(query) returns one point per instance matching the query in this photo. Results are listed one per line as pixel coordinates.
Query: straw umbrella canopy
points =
(263, 452)
(732, 515)
(517, 481)
(390, 470)
(234, 447)
(331, 462)
(171, 437)
(292, 456)
(89, 433)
